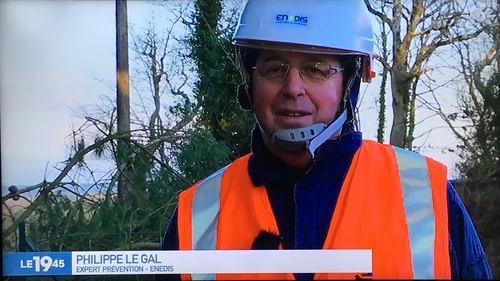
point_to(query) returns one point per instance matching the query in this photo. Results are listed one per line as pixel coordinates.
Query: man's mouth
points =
(293, 114)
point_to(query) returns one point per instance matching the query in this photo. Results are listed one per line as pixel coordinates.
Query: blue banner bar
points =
(35, 264)
(179, 262)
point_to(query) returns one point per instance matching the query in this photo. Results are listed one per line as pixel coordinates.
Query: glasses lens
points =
(311, 70)
(316, 70)
(273, 70)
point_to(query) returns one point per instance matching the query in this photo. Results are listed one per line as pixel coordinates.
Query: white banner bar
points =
(241, 261)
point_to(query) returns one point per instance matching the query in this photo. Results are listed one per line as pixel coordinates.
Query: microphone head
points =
(266, 240)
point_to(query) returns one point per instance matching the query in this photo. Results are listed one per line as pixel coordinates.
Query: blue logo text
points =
(293, 19)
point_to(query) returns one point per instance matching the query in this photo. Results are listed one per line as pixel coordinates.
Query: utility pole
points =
(122, 99)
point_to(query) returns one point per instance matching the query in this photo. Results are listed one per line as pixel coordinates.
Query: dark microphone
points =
(266, 240)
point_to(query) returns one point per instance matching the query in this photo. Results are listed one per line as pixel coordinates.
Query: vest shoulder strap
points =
(418, 208)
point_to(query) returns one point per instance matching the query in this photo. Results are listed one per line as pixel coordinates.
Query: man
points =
(311, 182)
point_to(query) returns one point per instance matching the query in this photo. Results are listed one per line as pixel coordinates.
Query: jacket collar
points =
(265, 168)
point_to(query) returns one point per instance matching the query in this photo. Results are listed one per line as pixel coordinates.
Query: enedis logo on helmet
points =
(291, 19)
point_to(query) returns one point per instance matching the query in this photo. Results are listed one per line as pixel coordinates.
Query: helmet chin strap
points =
(311, 137)
(305, 138)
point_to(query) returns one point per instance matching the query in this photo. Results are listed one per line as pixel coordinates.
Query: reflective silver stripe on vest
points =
(205, 212)
(417, 201)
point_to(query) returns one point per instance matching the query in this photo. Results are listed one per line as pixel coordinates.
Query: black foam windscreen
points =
(266, 240)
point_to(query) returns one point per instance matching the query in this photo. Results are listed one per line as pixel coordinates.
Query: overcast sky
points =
(56, 55)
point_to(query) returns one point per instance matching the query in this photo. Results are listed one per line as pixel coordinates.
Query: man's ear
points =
(243, 97)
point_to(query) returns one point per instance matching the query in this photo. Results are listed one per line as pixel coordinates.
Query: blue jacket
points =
(302, 227)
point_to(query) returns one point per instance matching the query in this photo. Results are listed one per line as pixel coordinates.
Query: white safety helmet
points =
(337, 27)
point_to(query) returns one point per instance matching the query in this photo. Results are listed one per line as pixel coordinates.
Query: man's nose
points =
(293, 84)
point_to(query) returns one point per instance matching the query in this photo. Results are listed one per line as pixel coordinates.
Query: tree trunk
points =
(400, 103)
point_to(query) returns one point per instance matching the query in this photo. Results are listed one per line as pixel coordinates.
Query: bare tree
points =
(418, 29)
(480, 105)
(161, 71)
(161, 61)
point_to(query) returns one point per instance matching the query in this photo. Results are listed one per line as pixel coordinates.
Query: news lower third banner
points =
(175, 262)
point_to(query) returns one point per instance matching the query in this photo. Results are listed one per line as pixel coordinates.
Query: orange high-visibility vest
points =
(392, 201)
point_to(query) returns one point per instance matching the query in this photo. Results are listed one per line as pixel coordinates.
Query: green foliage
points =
(382, 95)
(481, 160)
(99, 152)
(480, 165)
(62, 223)
(100, 220)
(213, 53)
(56, 219)
(200, 154)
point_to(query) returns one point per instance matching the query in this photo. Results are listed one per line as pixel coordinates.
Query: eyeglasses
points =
(316, 71)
